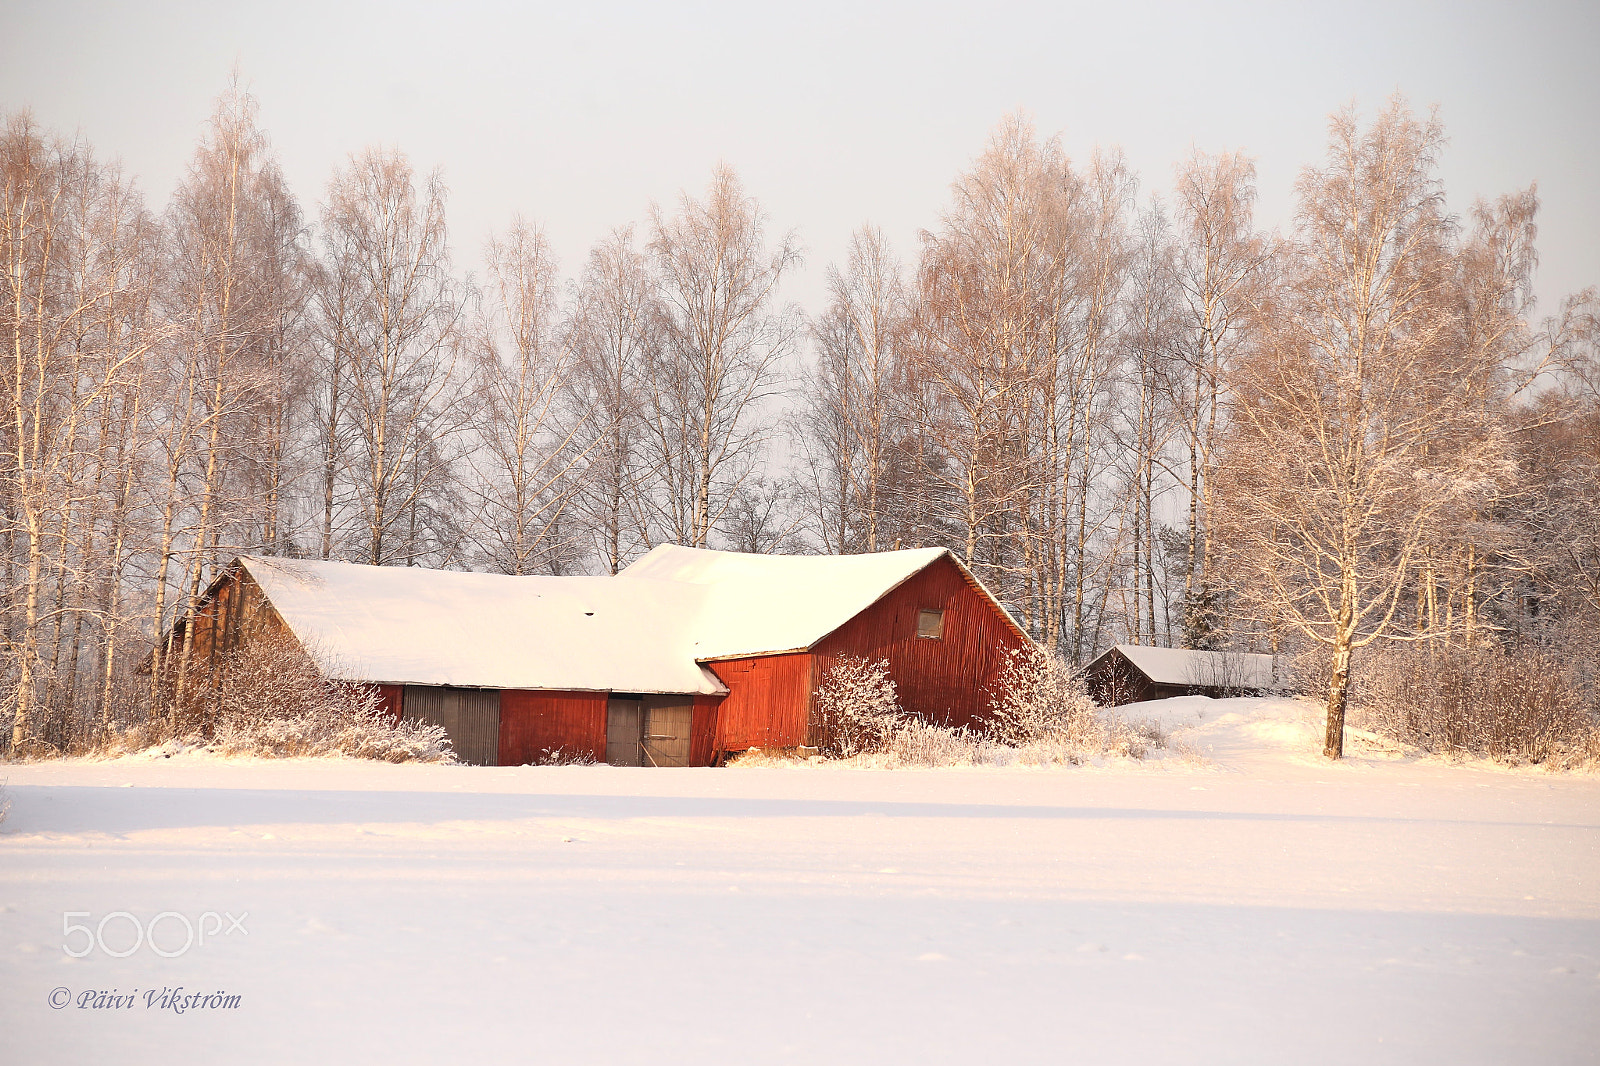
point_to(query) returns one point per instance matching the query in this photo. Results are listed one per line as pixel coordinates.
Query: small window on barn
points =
(930, 623)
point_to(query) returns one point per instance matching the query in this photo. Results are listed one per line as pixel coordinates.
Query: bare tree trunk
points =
(1338, 683)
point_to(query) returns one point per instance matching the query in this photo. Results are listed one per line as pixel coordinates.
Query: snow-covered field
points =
(1243, 902)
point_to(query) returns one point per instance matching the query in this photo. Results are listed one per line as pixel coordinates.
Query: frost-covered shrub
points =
(919, 743)
(1040, 716)
(916, 743)
(266, 699)
(1039, 697)
(856, 707)
(272, 700)
(563, 757)
(1518, 706)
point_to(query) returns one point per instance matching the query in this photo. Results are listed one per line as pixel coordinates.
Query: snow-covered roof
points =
(405, 625)
(1181, 666)
(761, 604)
(645, 630)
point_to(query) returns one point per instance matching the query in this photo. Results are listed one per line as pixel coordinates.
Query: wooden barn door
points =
(624, 727)
(667, 725)
(649, 731)
(471, 717)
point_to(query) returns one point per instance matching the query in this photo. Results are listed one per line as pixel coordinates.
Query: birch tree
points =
(236, 280)
(529, 451)
(856, 411)
(984, 283)
(1477, 548)
(67, 261)
(1357, 423)
(1151, 338)
(1221, 267)
(724, 342)
(392, 310)
(616, 337)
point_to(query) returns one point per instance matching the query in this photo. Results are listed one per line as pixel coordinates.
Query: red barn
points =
(685, 657)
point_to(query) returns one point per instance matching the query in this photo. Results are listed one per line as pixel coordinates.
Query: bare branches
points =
(856, 410)
(528, 445)
(395, 311)
(1136, 420)
(1370, 395)
(617, 332)
(723, 344)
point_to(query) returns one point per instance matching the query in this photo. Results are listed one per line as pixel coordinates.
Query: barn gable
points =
(943, 675)
(775, 625)
(771, 604)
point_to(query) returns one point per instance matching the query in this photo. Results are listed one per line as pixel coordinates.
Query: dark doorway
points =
(624, 731)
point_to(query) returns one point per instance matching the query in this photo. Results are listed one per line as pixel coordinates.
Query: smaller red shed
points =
(774, 624)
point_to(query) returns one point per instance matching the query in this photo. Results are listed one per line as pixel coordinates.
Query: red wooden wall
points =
(532, 723)
(391, 700)
(703, 731)
(941, 679)
(768, 703)
(233, 613)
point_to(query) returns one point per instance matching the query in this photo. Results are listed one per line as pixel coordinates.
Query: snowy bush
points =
(267, 699)
(919, 744)
(856, 708)
(272, 700)
(1038, 697)
(563, 757)
(1515, 707)
(1040, 716)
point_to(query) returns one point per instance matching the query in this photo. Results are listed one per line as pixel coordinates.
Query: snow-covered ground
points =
(1239, 900)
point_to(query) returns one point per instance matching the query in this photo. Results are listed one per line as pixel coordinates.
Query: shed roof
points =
(1182, 666)
(765, 604)
(407, 625)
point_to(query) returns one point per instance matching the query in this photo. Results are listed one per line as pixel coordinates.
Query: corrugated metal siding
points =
(534, 724)
(768, 704)
(943, 680)
(624, 732)
(471, 716)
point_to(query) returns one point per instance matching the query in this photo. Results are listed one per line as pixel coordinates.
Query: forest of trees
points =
(1138, 418)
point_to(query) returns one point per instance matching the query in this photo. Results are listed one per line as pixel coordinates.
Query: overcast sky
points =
(579, 115)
